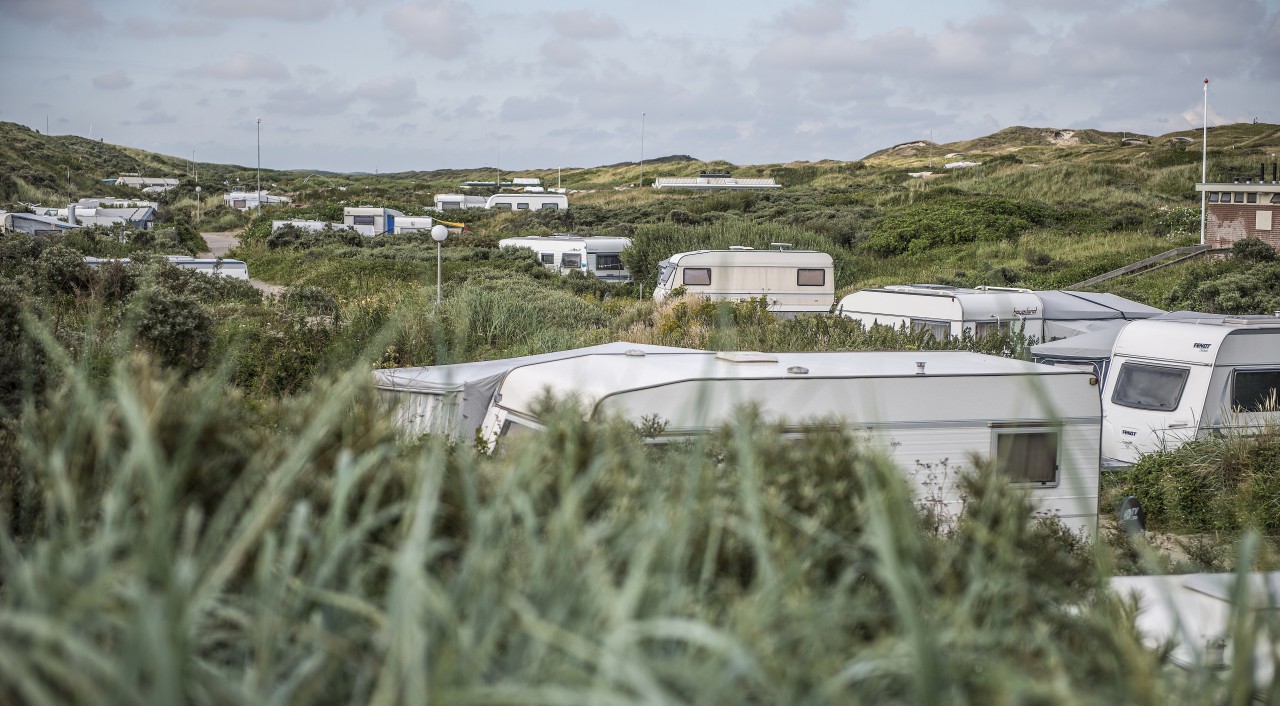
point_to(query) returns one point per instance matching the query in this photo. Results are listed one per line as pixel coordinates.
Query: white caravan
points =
(599, 256)
(529, 202)
(1171, 381)
(214, 267)
(455, 202)
(1192, 616)
(945, 310)
(452, 399)
(793, 281)
(928, 411)
(370, 220)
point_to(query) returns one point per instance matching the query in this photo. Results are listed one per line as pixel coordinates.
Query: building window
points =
(548, 258)
(551, 207)
(1239, 197)
(362, 220)
(608, 262)
(1255, 390)
(1251, 198)
(932, 327)
(811, 278)
(1156, 387)
(1262, 220)
(1027, 455)
(571, 259)
(522, 206)
(697, 276)
(1213, 197)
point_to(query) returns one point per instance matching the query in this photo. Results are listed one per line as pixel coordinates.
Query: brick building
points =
(1242, 210)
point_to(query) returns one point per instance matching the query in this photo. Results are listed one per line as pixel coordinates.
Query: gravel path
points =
(220, 243)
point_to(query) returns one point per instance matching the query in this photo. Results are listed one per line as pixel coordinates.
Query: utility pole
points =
(259, 165)
(642, 149)
(1204, 158)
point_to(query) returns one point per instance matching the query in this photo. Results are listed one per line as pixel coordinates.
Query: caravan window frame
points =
(931, 326)
(547, 258)
(608, 262)
(1235, 376)
(684, 277)
(362, 220)
(1010, 432)
(571, 259)
(1129, 365)
(802, 271)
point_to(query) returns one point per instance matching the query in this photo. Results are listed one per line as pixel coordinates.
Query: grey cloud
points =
(470, 109)
(520, 108)
(242, 66)
(438, 28)
(284, 10)
(66, 14)
(114, 81)
(323, 100)
(818, 17)
(148, 28)
(585, 25)
(562, 52)
(390, 96)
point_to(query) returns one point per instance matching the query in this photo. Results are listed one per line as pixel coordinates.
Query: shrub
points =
(173, 327)
(1253, 250)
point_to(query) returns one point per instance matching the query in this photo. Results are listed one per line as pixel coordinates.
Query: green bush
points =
(173, 327)
(1253, 250)
(936, 223)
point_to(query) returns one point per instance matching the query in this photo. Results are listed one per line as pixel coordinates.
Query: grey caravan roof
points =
(1081, 306)
(475, 383)
(1097, 344)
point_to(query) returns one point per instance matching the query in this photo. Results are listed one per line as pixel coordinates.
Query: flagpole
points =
(1204, 158)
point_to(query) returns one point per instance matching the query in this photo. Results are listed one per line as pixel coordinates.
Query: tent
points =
(452, 399)
(1068, 314)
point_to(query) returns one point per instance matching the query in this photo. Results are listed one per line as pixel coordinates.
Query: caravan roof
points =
(749, 257)
(1206, 341)
(1062, 304)
(594, 378)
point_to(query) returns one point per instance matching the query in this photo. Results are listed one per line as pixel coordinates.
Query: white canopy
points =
(452, 399)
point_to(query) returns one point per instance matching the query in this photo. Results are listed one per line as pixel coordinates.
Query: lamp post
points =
(197, 205)
(259, 165)
(1204, 159)
(438, 233)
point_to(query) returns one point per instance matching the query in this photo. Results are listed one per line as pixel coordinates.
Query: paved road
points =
(220, 243)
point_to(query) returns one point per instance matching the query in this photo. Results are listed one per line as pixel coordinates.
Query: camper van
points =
(793, 281)
(929, 411)
(1171, 381)
(945, 310)
(599, 256)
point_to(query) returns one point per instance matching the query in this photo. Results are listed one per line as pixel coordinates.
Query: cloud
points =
(242, 66)
(66, 14)
(283, 10)
(585, 25)
(114, 81)
(323, 100)
(389, 96)
(518, 108)
(144, 26)
(440, 28)
(818, 17)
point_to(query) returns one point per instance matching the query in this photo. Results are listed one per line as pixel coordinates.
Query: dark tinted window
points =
(1149, 386)
(362, 220)
(811, 278)
(571, 259)
(548, 258)
(608, 262)
(697, 276)
(1213, 197)
(1027, 456)
(551, 206)
(1254, 390)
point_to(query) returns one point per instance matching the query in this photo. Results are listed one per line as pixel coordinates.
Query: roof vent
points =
(746, 357)
(634, 353)
(919, 367)
(798, 370)
(740, 247)
(781, 246)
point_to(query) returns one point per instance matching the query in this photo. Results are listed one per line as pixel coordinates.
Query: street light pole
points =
(642, 150)
(438, 233)
(197, 205)
(259, 165)
(1204, 158)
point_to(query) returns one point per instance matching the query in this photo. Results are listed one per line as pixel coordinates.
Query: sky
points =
(396, 85)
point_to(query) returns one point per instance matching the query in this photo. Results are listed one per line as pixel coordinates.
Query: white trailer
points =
(214, 267)
(309, 226)
(599, 256)
(1172, 381)
(370, 221)
(529, 202)
(793, 281)
(945, 310)
(453, 202)
(1193, 616)
(452, 399)
(928, 411)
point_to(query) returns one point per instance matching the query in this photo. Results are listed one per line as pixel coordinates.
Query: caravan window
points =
(1142, 386)
(811, 278)
(608, 262)
(1255, 390)
(697, 276)
(933, 327)
(1027, 455)
(548, 258)
(983, 328)
(571, 259)
(665, 270)
(362, 220)
(522, 206)
(551, 206)
(239, 203)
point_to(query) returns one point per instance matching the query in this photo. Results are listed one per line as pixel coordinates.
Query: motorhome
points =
(931, 412)
(793, 281)
(599, 256)
(945, 310)
(529, 202)
(1174, 380)
(452, 399)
